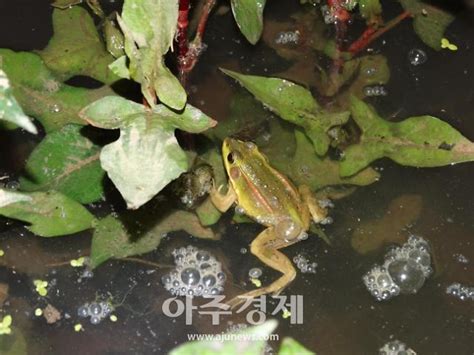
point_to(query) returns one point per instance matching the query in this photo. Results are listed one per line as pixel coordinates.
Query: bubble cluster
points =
(288, 37)
(255, 272)
(417, 57)
(97, 311)
(404, 270)
(303, 264)
(197, 273)
(377, 90)
(460, 291)
(396, 347)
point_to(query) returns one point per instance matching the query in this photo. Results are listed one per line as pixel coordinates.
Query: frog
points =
(268, 197)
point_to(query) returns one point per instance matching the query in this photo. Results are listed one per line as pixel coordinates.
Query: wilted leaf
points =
(41, 95)
(147, 156)
(118, 239)
(10, 110)
(50, 214)
(149, 27)
(249, 17)
(76, 47)
(290, 346)
(249, 341)
(309, 169)
(429, 22)
(422, 141)
(68, 162)
(295, 104)
(373, 234)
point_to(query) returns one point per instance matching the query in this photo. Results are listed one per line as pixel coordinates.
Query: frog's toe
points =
(326, 203)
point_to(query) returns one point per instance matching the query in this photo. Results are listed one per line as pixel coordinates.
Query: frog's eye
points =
(232, 157)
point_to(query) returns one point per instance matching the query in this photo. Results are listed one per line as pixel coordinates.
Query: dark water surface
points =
(340, 316)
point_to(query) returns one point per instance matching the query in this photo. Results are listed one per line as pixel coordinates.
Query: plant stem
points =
(182, 37)
(371, 34)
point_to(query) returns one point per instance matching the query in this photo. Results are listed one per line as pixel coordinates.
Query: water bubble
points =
(202, 256)
(95, 320)
(396, 347)
(255, 272)
(417, 57)
(83, 311)
(190, 276)
(95, 309)
(209, 280)
(460, 291)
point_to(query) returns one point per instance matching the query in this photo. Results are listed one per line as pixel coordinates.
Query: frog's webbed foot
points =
(265, 247)
(317, 209)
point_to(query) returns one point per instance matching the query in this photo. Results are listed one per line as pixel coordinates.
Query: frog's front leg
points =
(319, 213)
(222, 201)
(265, 247)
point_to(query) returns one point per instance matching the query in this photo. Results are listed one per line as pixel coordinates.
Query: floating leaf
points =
(429, 22)
(51, 214)
(10, 110)
(14, 343)
(295, 104)
(446, 44)
(315, 172)
(249, 17)
(149, 27)
(290, 346)
(147, 155)
(41, 287)
(76, 47)
(117, 239)
(68, 162)
(249, 341)
(5, 325)
(41, 95)
(422, 141)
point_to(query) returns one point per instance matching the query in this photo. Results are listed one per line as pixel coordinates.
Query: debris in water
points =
(197, 273)
(404, 270)
(51, 314)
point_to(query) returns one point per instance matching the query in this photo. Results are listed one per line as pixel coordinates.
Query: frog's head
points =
(238, 155)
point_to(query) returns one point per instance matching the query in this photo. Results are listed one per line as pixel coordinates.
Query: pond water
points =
(340, 316)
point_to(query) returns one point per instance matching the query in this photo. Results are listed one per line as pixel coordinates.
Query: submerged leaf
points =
(295, 104)
(429, 22)
(370, 10)
(76, 47)
(10, 110)
(422, 141)
(290, 346)
(114, 238)
(249, 17)
(147, 155)
(41, 95)
(315, 172)
(149, 27)
(51, 214)
(68, 162)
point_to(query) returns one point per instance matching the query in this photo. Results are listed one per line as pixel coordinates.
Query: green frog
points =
(268, 197)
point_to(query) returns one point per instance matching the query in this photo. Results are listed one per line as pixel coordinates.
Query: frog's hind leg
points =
(265, 247)
(318, 213)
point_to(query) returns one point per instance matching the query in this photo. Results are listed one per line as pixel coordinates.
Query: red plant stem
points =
(206, 10)
(371, 34)
(182, 37)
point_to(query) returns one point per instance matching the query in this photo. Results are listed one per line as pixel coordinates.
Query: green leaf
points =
(147, 155)
(41, 95)
(114, 39)
(249, 17)
(295, 104)
(315, 172)
(14, 343)
(429, 22)
(10, 110)
(65, 4)
(290, 346)
(68, 162)
(139, 232)
(51, 214)
(422, 141)
(249, 341)
(149, 27)
(76, 47)
(370, 10)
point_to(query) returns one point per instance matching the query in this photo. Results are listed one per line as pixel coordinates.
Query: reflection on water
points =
(340, 315)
